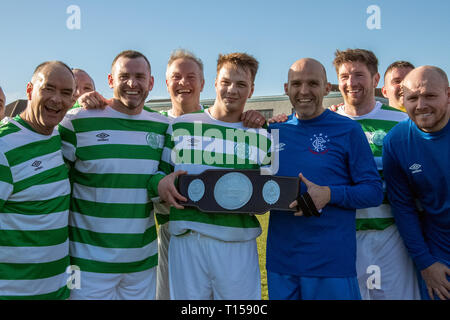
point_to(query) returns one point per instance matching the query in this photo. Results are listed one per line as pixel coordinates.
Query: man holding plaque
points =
(313, 257)
(214, 255)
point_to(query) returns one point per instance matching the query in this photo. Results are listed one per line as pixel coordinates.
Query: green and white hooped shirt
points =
(34, 208)
(376, 124)
(161, 211)
(112, 227)
(202, 142)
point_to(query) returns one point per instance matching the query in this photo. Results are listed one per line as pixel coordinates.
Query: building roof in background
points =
(15, 107)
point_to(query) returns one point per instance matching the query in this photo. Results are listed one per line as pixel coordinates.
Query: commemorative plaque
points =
(238, 191)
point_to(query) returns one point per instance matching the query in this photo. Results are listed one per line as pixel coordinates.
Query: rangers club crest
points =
(318, 144)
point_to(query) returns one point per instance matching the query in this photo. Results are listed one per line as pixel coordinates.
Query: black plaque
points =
(238, 191)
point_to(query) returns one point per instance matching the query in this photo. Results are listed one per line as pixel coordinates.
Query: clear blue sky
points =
(276, 32)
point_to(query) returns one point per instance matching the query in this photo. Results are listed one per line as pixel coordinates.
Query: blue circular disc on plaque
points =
(196, 190)
(233, 190)
(271, 192)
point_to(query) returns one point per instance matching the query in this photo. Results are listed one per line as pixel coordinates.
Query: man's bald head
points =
(307, 85)
(46, 65)
(427, 73)
(84, 82)
(303, 63)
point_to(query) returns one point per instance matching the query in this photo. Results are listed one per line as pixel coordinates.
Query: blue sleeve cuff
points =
(424, 261)
(337, 194)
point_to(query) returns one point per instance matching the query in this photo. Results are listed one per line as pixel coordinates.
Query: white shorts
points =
(384, 268)
(162, 280)
(112, 286)
(203, 268)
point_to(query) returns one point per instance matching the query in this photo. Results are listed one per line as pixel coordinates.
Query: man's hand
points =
(278, 118)
(168, 192)
(335, 107)
(93, 100)
(435, 277)
(320, 195)
(252, 119)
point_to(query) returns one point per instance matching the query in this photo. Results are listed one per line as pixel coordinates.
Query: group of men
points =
(123, 160)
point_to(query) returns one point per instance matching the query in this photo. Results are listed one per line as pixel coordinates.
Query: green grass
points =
(261, 242)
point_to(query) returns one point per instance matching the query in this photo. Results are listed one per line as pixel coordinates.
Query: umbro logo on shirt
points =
(102, 136)
(37, 165)
(416, 168)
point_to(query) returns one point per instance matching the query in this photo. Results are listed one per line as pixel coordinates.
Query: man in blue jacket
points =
(416, 164)
(314, 257)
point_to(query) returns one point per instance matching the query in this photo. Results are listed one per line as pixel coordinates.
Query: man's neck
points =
(359, 110)
(222, 114)
(119, 107)
(30, 118)
(178, 109)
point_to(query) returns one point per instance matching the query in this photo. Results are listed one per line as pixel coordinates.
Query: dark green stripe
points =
(386, 107)
(374, 223)
(165, 167)
(111, 180)
(113, 240)
(162, 218)
(49, 176)
(111, 210)
(107, 267)
(102, 123)
(31, 271)
(221, 219)
(114, 151)
(67, 135)
(62, 294)
(8, 129)
(5, 174)
(57, 204)
(33, 150)
(39, 238)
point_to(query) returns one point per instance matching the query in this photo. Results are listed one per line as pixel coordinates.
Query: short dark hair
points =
(47, 63)
(398, 64)
(356, 55)
(131, 54)
(239, 59)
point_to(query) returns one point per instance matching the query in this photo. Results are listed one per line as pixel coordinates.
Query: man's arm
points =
(6, 181)
(68, 139)
(163, 182)
(408, 223)
(366, 189)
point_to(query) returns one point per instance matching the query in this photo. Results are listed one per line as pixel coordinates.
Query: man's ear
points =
(110, 81)
(327, 88)
(29, 90)
(384, 92)
(286, 88)
(376, 79)
(251, 91)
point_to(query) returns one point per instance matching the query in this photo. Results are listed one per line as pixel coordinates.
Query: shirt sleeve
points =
(68, 138)
(6, 181)
(366, 188)
(166, 164)
(404, 209)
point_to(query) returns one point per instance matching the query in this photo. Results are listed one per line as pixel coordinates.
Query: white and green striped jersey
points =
(376, 124)
(34, 208)
(111, 223)
(196, 142)
(161, 211)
